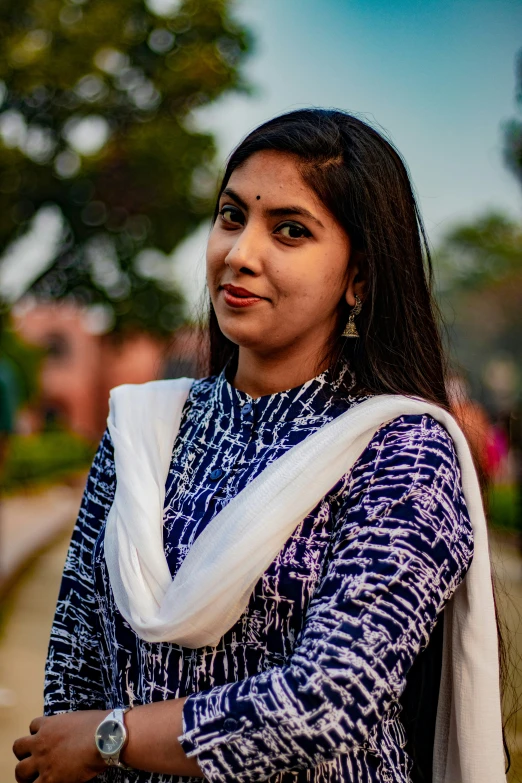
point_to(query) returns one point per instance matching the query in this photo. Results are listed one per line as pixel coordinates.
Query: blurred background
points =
(116, 117)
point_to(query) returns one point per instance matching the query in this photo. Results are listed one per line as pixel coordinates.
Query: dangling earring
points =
(350, 330)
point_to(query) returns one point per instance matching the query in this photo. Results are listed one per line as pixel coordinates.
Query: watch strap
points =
(114, 759)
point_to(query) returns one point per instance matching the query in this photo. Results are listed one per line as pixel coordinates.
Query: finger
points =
(22, 747)
(25, 771)
(36, 724)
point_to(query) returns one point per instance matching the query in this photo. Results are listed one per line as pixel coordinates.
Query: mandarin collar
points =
(309, 399)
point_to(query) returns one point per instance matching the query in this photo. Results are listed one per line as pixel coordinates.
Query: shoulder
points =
(411, 438)
(135, 408)
(103, 467)
(408, 480)
(202, 388)
(202, 393)
(141, 393)
(99, 492)
(410, 456)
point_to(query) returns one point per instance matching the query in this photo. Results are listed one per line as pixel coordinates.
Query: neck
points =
(260, 375)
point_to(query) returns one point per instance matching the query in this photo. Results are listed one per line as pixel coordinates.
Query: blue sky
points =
(437, 75)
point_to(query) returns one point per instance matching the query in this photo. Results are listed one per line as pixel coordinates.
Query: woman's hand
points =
(60, 749)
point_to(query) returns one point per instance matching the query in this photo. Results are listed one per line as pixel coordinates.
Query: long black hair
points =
(362, 180)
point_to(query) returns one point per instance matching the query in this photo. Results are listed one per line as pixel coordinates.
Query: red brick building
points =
(82, 365)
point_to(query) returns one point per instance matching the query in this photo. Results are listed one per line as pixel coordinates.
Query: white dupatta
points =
(213, 585)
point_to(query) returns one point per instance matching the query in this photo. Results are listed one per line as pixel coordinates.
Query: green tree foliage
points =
(96, 118)
(479, 269)
(513, 131)
(476, 255)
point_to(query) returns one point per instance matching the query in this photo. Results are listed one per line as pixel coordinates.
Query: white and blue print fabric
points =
(307, 685)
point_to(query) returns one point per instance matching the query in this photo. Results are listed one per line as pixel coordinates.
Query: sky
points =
(438, 76)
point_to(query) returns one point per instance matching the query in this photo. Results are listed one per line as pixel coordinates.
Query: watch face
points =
(110, 737)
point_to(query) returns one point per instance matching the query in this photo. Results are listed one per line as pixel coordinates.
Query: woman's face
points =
(277, 260)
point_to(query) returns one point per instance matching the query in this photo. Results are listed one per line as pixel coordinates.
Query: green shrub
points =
(505, 508)
(43, 457)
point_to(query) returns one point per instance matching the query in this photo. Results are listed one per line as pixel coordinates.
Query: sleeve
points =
(73, 677)
(402, 545)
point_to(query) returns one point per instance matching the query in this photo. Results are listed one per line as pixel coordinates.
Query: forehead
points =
(272, 175)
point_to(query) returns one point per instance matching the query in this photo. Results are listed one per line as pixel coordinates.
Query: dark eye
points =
(293, 231)
(230, 214)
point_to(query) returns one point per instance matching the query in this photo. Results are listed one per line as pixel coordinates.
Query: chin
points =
(243, 336)
(244, 340)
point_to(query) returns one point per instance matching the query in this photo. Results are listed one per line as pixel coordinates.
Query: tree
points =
(479, 270)
(478, 254)
(513, 130)
(97, 119)
(479, 276)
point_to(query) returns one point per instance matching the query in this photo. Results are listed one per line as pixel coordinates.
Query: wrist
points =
(128, 725)
(99, 762)
(152, 732)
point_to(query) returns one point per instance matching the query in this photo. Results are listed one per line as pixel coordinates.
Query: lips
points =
(235, 296)
(240, 292)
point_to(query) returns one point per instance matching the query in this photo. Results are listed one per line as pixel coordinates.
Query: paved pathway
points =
(31, 521)
(508, 569)
(23, 648)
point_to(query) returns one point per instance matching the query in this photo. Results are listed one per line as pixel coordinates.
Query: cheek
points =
(216, 253)
(318, 283)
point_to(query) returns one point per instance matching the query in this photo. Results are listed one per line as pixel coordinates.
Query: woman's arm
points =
(73, 671)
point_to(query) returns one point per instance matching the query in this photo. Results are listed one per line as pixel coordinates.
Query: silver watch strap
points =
(117, 714)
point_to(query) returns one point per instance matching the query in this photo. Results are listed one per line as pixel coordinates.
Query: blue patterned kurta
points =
(306, 685)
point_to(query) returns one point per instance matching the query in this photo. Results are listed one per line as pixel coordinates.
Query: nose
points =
(245, 255)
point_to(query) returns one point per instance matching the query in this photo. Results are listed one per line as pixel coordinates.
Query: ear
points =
(356, 283)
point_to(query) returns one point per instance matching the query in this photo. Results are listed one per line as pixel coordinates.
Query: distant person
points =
(498, 449)
(6, 412)
(266, 558)
(9, 400)
(515, 444)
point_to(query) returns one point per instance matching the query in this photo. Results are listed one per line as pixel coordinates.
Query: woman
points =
(329, 670)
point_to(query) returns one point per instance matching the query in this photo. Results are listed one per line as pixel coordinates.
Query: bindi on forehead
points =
(258, 197)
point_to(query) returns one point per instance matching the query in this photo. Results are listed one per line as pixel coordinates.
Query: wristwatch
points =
(111, 737)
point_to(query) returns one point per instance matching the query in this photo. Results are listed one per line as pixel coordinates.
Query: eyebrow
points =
(276, 211)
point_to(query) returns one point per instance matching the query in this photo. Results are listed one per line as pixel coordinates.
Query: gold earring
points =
(350, 330)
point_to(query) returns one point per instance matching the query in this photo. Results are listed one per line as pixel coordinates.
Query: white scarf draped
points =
(213, 585)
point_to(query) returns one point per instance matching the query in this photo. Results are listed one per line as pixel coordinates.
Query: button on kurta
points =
(216, 474)
(247, 408)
